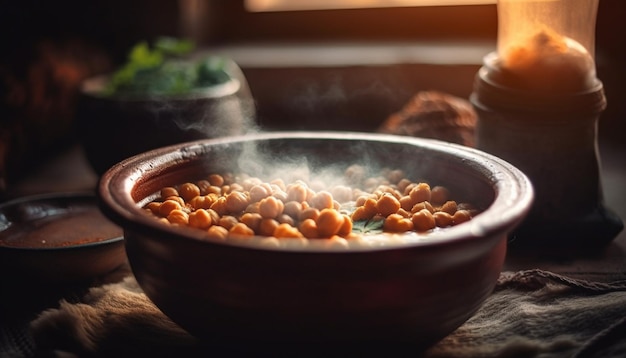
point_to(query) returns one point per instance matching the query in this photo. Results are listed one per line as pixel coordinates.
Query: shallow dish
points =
(57, 238)
(414, 292)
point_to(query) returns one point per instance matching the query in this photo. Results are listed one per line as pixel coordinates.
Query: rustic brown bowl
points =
(413, 293)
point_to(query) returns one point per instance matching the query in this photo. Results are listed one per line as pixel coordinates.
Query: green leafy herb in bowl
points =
(166, 68)
(165, 93)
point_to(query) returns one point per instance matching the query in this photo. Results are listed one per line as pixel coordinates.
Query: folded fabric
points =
(530, 314)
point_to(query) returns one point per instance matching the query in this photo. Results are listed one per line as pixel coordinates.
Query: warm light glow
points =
(294, 5)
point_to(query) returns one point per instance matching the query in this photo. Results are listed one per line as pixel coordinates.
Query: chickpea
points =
(236, 201)
(219, 206)
(153, 207)
(168, 191)
(252, 220)
(371, 183)
(217, 232)
(394, 176)
(406, 202)
(267, 227)
(286, 219)
(420, 193)
(329, 222)
(360, 200)
(293, 209)
(213, 189)
(341, 193)
(271, 207)
(200, 219)
(355, 174)
(178, 217)
(403, 184)
(241, 229)
(260, 191)
(228, 178)
(370, 207)
(286, 231)
(253, 207)
(360, 214)
(439, 195)
(297, 192)
(308, 228)
(387, 205)
(397, 223)
(279, 184)
(177, 199)
(388, 189)
(203, 185)
(461, 216)
(443, 219)
(188, 191)
(309, 213)
(404, 213)
(249, 183)
(322, 200)
(449, 207)
(423, 205)
(216, 180)
(202, 201)
(346, 227)
(408, 188)
(215, 217)
(168, 206)
(227, 221)
(236, 187)
(280, 195)
(423, 220)
(310, 193)
(314, 186)
(225, 189)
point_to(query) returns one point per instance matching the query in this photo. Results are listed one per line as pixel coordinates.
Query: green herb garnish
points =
(165, 69)
(374, 226)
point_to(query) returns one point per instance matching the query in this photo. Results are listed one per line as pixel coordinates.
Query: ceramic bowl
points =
(115, 127)
(413, 292)
(57, 238)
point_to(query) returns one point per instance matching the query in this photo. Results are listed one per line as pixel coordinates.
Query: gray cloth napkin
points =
(541, 314)
(530, 314)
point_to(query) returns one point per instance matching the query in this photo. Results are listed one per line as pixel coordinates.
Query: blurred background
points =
(339, 65)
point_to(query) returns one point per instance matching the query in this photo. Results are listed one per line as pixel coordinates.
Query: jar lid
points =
(488, 92)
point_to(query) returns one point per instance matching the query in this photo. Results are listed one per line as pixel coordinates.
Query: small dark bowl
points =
(57, 239)
(415, 292)
(113, 128)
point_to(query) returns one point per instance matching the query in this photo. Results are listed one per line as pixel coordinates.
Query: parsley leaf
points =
(373, 226)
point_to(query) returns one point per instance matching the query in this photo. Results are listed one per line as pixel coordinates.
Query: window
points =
(294, 5)
(246, 21)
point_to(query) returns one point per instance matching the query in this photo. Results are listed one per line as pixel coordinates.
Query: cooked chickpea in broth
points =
(228, 206)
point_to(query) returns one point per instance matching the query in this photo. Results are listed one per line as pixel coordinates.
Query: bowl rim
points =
(91, 87)
(513, 190)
